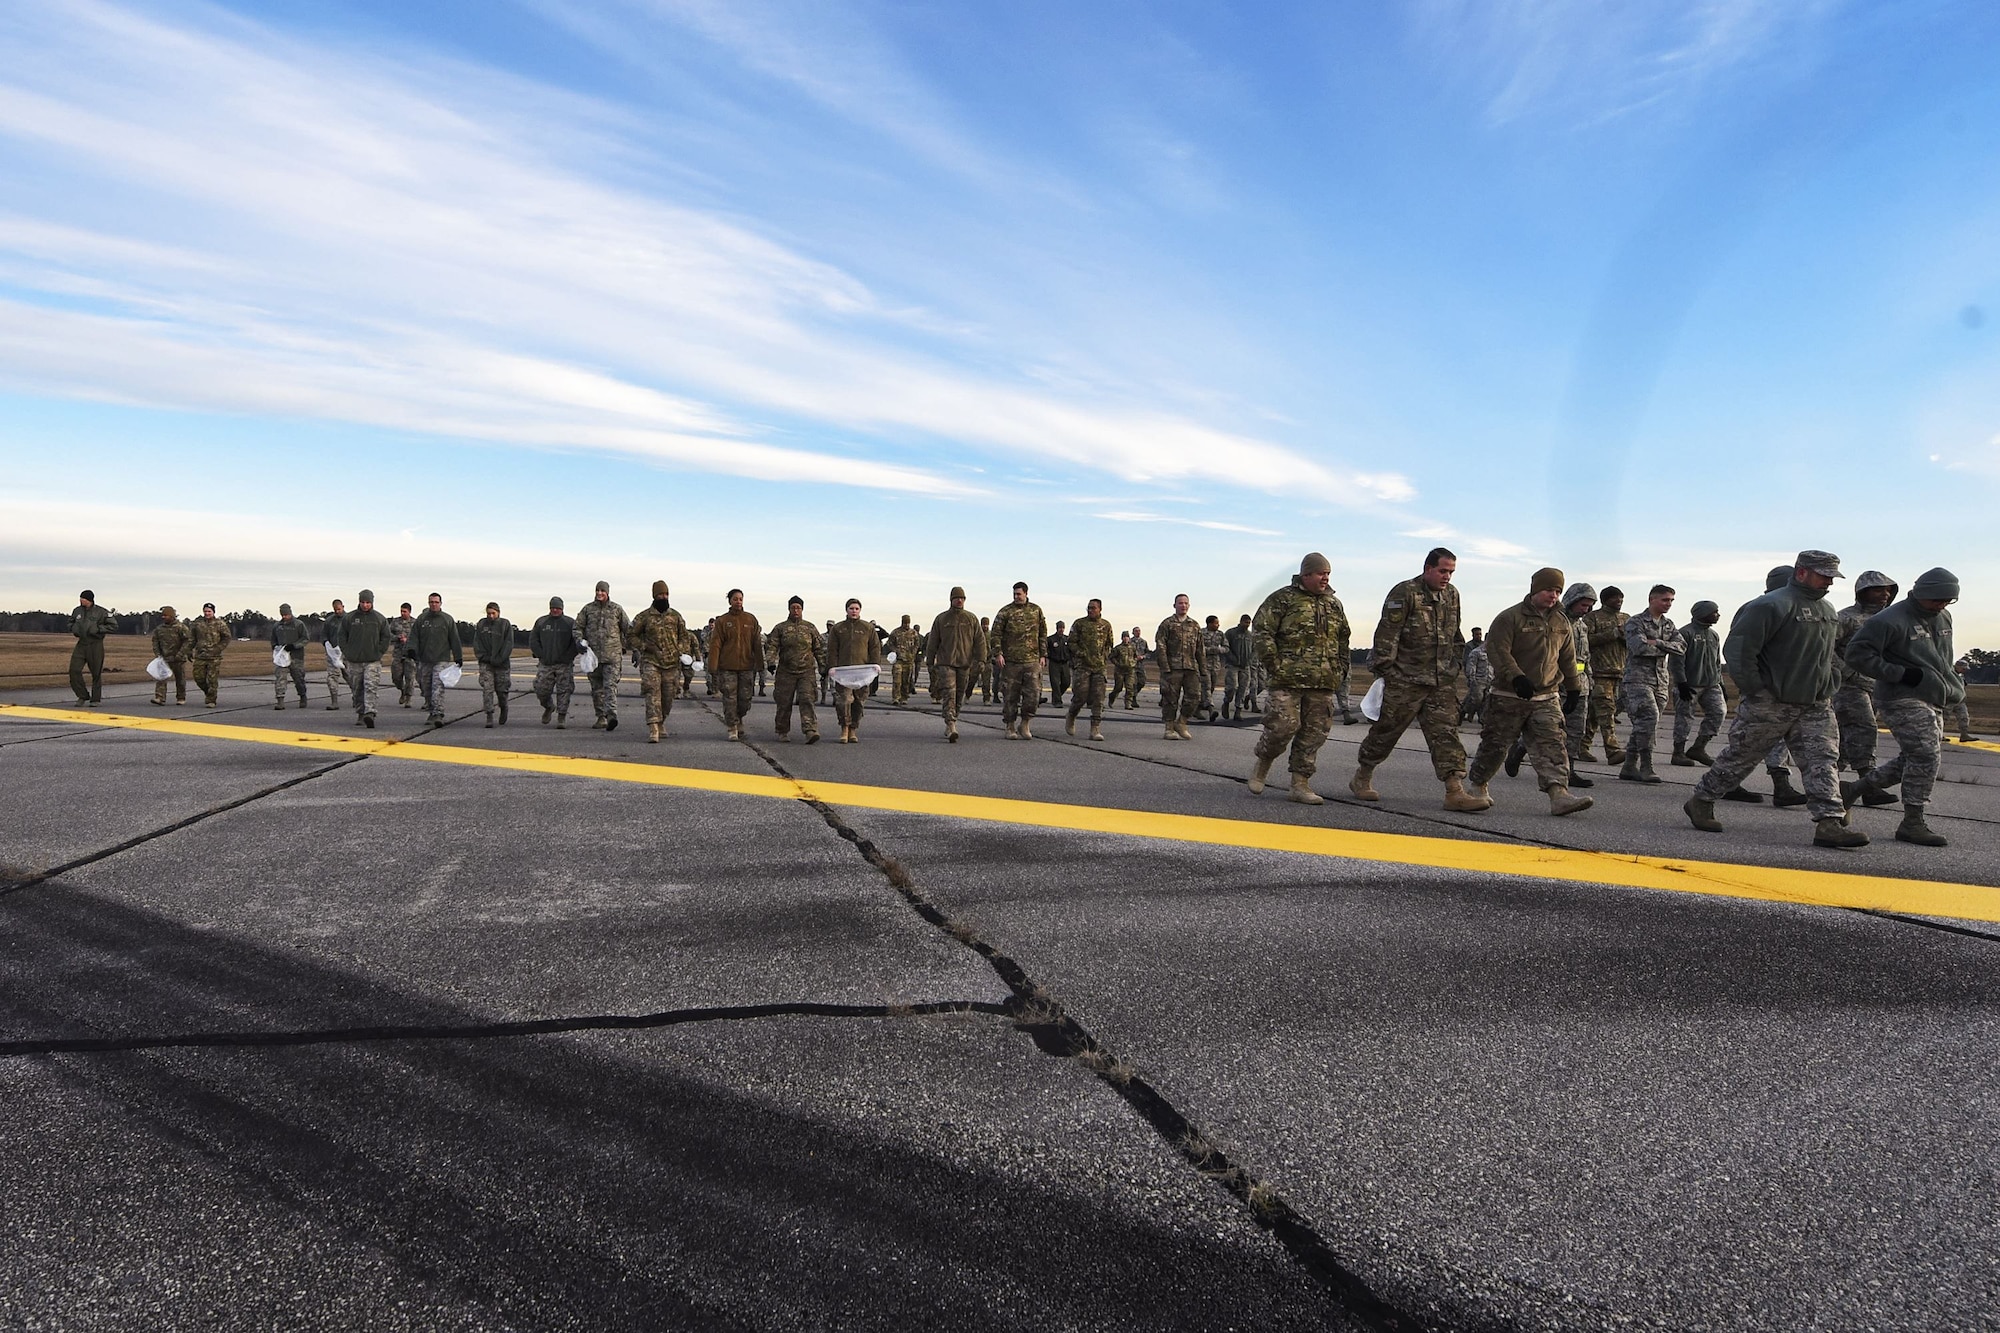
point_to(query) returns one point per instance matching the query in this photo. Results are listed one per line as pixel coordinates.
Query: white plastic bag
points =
(333, 658)
(686, 660)
(279, 656)
(892, 659)
(159, 670)
(449, 674)
(1371, 703)
(855, 677)
(586, 661)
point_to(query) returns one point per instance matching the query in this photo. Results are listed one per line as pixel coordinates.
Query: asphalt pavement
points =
(307, 1025)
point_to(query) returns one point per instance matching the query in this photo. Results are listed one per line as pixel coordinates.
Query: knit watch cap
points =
(958, 592)
(1547, 579)
(284, 608)
(602, 586)
(366, 595)
(1707, 611)
(1779, 576)
(659, 588)
(208, 606)
(555, 603)
(1315, 563)
(796, 600)
(1936, 583)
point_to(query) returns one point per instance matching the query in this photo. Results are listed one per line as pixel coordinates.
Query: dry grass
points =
(29, 660)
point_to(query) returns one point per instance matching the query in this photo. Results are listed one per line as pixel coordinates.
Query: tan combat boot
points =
(1069, 725)
(1362, 784)
(1013, 731)
(1257, 776)
(1096, 732)
(1171, 734)
(1302, 791)
(1180, 725)
(1456, 797)
(1026, 734)
(735, 733)
(1562, 803)
(652, 733)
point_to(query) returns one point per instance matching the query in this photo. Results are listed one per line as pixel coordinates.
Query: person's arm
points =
(1507, 671)
(1389, 630)
(1873, 652)
(1748, 634)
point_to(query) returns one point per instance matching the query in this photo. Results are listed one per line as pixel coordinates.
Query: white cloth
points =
(854, 677)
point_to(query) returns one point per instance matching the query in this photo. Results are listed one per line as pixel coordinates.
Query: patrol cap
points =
(958, 592)
(284, 608)
(795, 600)
(1936, 583)
(1707, 611)
(555, 603)
(602, 586)
(1547, 579)
(1820, 562)
(1576, 592)
(659, 588)
(1315, 563)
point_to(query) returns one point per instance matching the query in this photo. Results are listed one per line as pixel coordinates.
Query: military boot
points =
(1914, 829)
(1069, 725)
(1699, 753)
(1577, 779)
(1096, 732)
(1783, 794)
(1831, 832)
(1562, 803)
(1362, 784)
(1181, 726)
(1646, 773)
(1742, 793)
(489, 721)
(1701, 814)
(653, 733)
(562, 721)
(1456, 797)
(1302, 791)
(503, 712)
(1612, 754)
(1515, 754)
(1630, 773)
(1013, 731)
(1680, 759)
(951, 732)
(548, 715)
(1258, 774)
(1966, 738)
(1026, 734)
(1171, 734)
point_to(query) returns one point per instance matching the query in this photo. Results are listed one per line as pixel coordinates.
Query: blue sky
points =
(1125, 300)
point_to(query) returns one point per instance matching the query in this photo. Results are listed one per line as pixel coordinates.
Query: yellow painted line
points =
(1989, 746)
(1972, 902)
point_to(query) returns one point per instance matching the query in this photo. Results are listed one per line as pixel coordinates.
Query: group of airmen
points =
(1548, 676)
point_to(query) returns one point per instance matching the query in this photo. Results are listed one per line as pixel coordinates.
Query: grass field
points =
(28, 660)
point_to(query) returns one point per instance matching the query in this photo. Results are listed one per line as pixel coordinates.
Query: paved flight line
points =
(1971, 902)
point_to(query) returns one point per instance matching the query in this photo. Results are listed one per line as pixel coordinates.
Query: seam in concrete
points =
(1928, 924)
(1040, 1015)
(533, 1027)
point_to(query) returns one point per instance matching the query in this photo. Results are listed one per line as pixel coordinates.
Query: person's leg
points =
(1401, 703)
(1282, 720)
(77, 657)
(1437, 713)
(1760, 722)
(1854, 713)
(1314, 711)
(1506, 716)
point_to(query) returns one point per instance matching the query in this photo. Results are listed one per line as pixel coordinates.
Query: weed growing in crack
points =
(1263, 1200)
(1038, 1012)
(1107, 1066)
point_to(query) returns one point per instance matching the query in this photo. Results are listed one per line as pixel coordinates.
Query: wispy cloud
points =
(1213, 525)
(450, 251)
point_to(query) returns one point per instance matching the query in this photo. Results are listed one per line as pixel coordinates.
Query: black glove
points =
(1912, 677)
(1524, 687)
(1687, 691)
(1571, 698)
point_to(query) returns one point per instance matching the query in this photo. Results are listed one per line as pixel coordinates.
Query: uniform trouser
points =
(795, 687)
(403, 675)
(208, 676)
(1299, 719)
(364, 682)
(949, 686)
(1537, 721)
(657, 687)
(847, 701)
(431, 684)
(336, 681)
(297, 671)
(985, 683)
(1709, 699)
(1962, 717)
(1576, 721)
(1059, 681)
(1235, 688)
(1642, 704)
(1919, 732)
(604, 685)
(1603, 713)
(1020, 687)
(1474, 705)
(1088, 692)
(1180, 693)
(495, 684)
(180, 683)
(1762, 723)
(88, 654)
(1854, 713)
(1433, 707)
(738, 689)
(1135, 684)
(555, 685)
(906, 679)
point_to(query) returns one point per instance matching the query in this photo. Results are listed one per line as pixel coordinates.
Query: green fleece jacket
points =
(1892, 641)
(1782, 643)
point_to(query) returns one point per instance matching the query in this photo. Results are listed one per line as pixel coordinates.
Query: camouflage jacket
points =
(853, 643)
(211, 638)
(1301, 639)
(1090, 644)
(1851, 619)
(603, 625)
(1126, 655)
(91, 622)
(1215, 643)
(1579, 633)
(1180, 645)
(1418, 637)
(1019, 632)
(955, 640)
(400, 629)
(660, 636)
(905, 642)
(172, 641)
(1649, 641)
(1479, 666)
(1607, 643)
(796, 647)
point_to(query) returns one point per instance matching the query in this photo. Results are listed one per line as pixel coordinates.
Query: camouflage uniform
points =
(1135, 684)
(402, 661)
(211, 640)
(433, 642)
(1853, 702)
(1697, 677)
(291, 636)
(1019, 631)
(855, 642)
(1419, 652)
(364, 637)
(1961, 713)
(604, 625)
(1900, 640)
(1301, 639)
(1181, 659)
(1090, 661)
(1236, 668)
(736, 649)
(1606, 631)
(660, 635)
(1526, 641)
(493, 650)
(1576, 711)
(1650, 641)
(953, 649)
(1478, 683)
(330, 627)
(1215, 658)
(1122, 659)
(905, 643)
(799, 651)
(553, 644)
(172, 644)
(89, 623)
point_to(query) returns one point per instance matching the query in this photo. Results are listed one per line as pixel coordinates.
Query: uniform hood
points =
(1873, 578)
(1578, 590)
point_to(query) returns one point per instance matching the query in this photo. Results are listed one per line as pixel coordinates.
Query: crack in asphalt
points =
(533, 1027)
(1041, 1016)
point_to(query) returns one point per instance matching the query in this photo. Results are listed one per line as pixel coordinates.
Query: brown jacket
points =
(736, 643)
(1526, 641)
(853, 643)
(955, 641)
